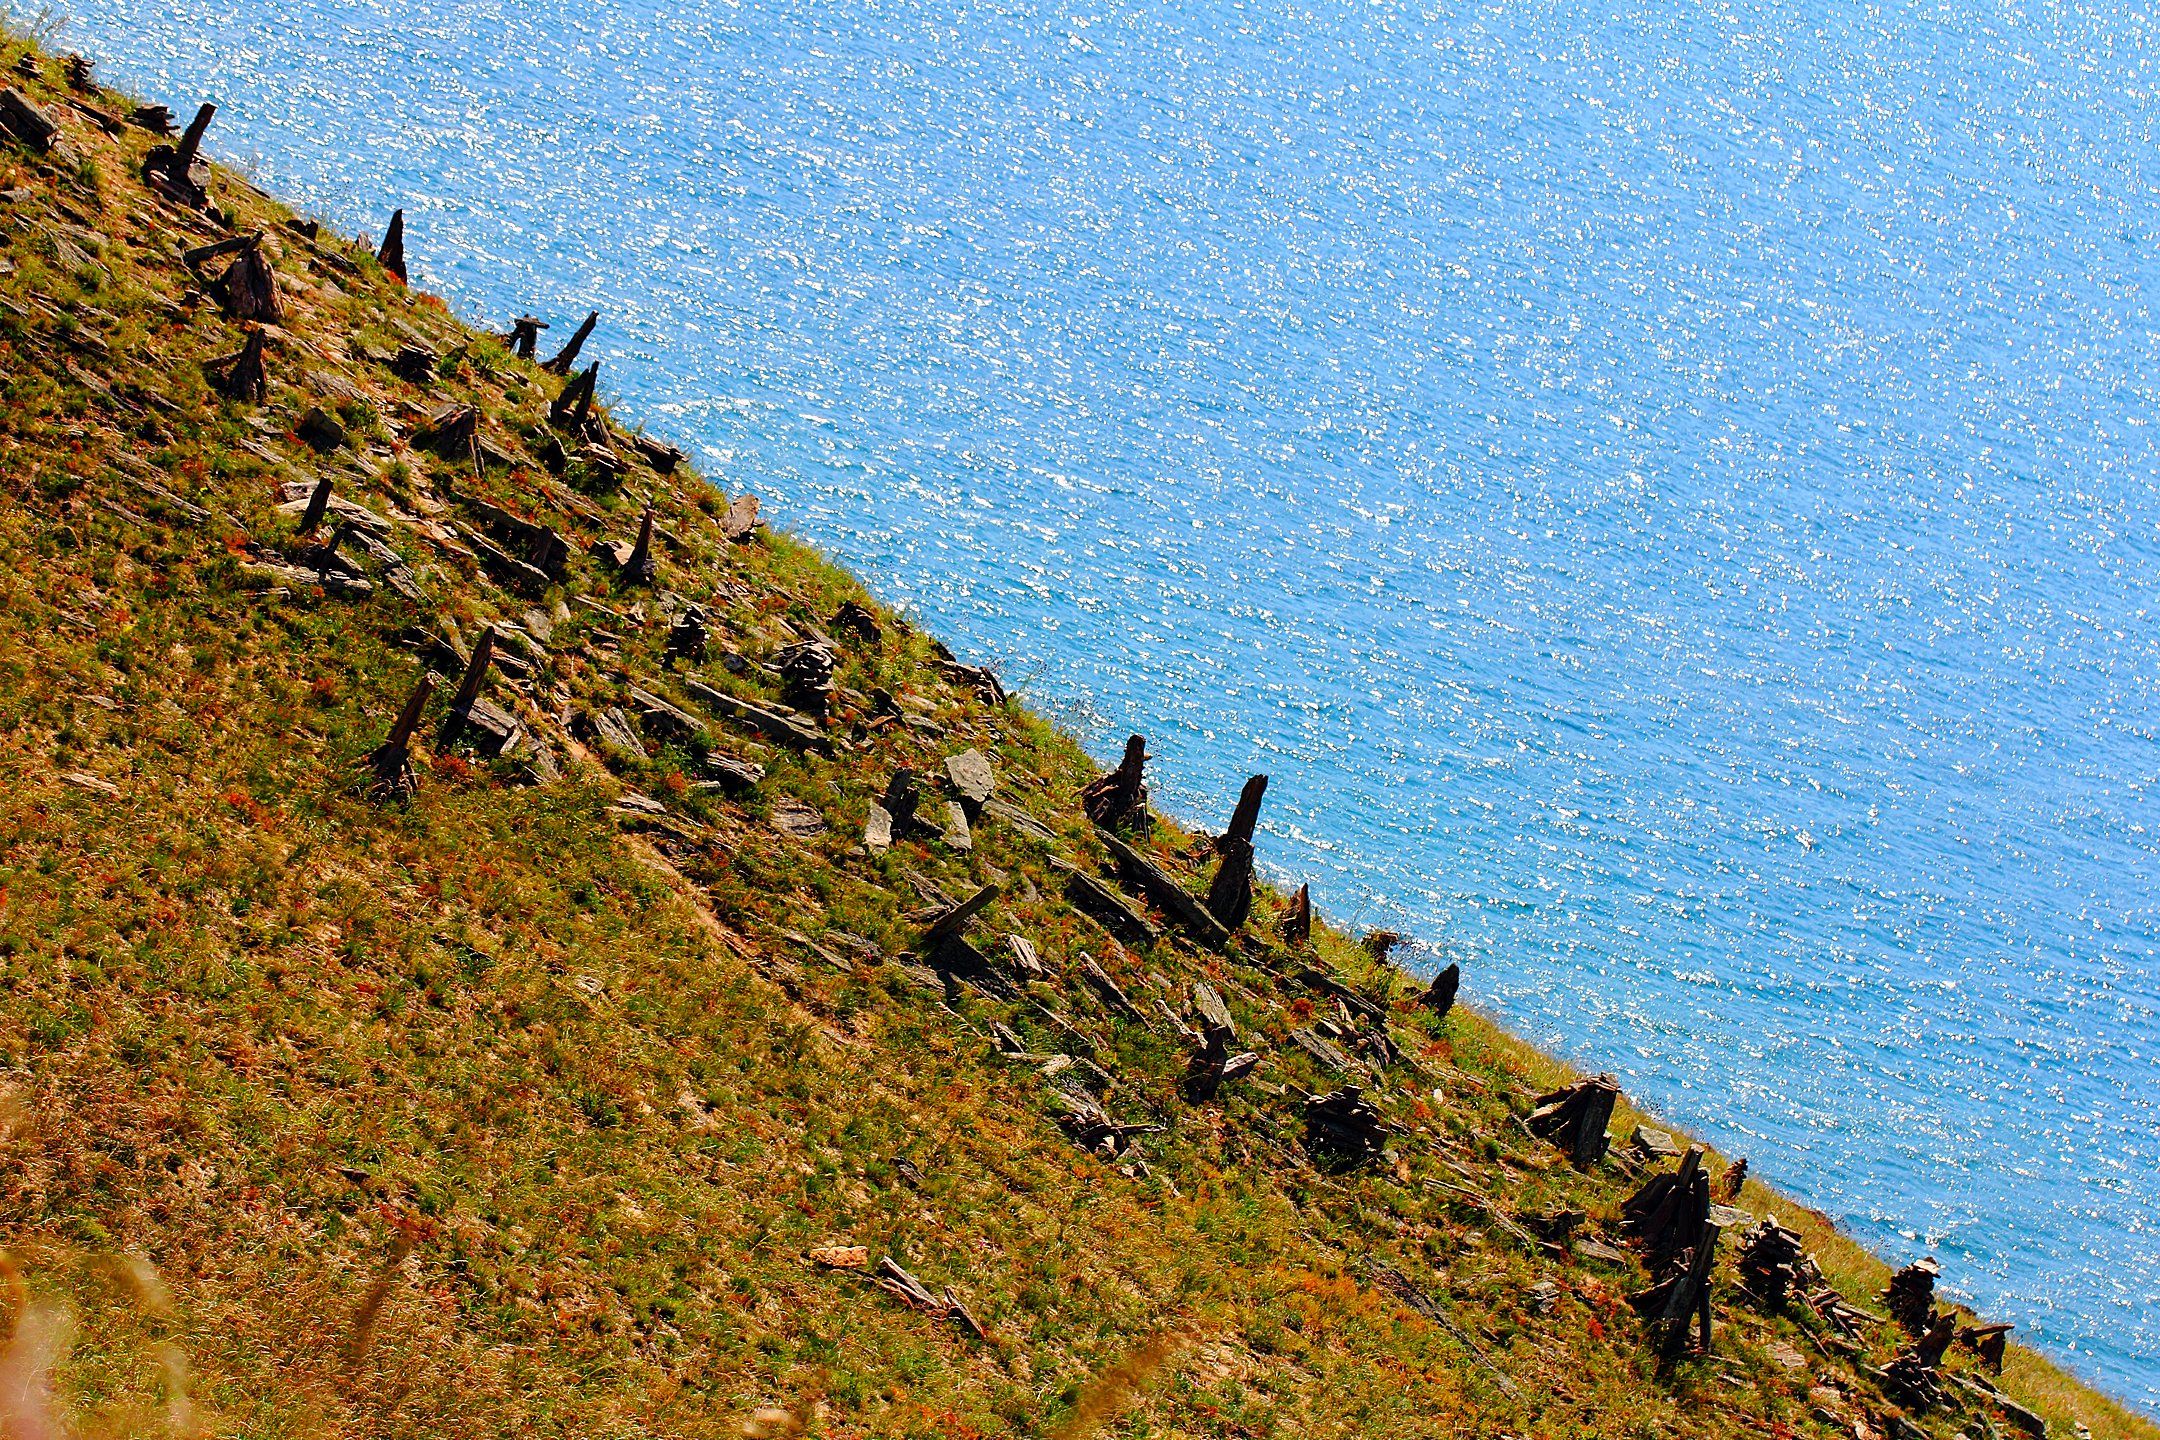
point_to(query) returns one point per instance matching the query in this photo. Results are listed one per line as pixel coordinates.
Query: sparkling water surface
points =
(1667, 491)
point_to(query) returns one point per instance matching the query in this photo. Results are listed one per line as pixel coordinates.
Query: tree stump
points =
(1774, 1265)
(1439, 997)
(450, 433)
(391, 761)
(1667, 1214)
(1910, 1297)
(1575, 1117)
(806, 676)
(561, 361)
(1229, 896)
(247, 290)
(1680, 1302)
(470, 683)
(524, 336)
(1989, 1342)
(240, 376)
(1343, 1130)
(1245, 819)
(857, 620)
(392, 254)
(573, 407)
(1297, 920)
(1119, 800)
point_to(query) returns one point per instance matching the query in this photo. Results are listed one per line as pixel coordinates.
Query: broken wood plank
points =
(1149, 878)
(1119, 799)
(954, 918)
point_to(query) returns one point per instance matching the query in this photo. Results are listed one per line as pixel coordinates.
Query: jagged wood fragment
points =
(391, 256)
(1146, 876)
(560, 362)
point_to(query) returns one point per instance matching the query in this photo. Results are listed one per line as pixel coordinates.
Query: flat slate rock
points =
(972, 777)
(797, 820)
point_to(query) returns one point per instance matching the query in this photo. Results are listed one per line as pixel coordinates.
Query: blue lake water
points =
(1668, 492)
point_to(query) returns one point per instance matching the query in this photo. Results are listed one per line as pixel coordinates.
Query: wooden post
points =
(247, 290)
(574, 406)
(639, 568)
(1229, 896)
(392, 254)
(170, 169)
(191, 141)
(316, 505)
(240, 376)
(1297, 924)
(392, 760)
(475, 676)
(564, 358)
(1246, 818)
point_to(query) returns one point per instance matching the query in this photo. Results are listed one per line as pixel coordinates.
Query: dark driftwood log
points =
(1229, 896)
(1439, 997)
(1118, 800)
(247, 290)
(1100, 901)
(1988, 1342)
(392, 254)
(157, 119)
(200, 255)
(1575, 1117)
(392, 760)
(318, 502)
(240, 375)
(561, 361)
(1297, 920)
(175, 170)
(1147, 877)
(25, 121)
(524, 336)
(573, 407)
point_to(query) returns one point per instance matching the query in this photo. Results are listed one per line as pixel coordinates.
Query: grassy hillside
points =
(551, 1098)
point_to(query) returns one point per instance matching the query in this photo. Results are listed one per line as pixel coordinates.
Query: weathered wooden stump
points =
(1245, 819)
(1439, 997)
(561, 361)
(1119, 800)
(391, 761)
(492, 729)
(573, 407)
(75, 69)
(240, 375)
(1668, 1212)
(1910, 1297)
(451, 433)
(688, 636)
(247, 290)
(1774, 1265)
(1229, 896)
(1575, 1116)
(857, 620)
(391, 256)
(806, 676)
(633, 562)
(524, 336)
(1343, 1130)
(1297, 920)
(157, 119)
(1989, 1342)
(21, 118)
(1679, 1303)
(1212, 1065)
